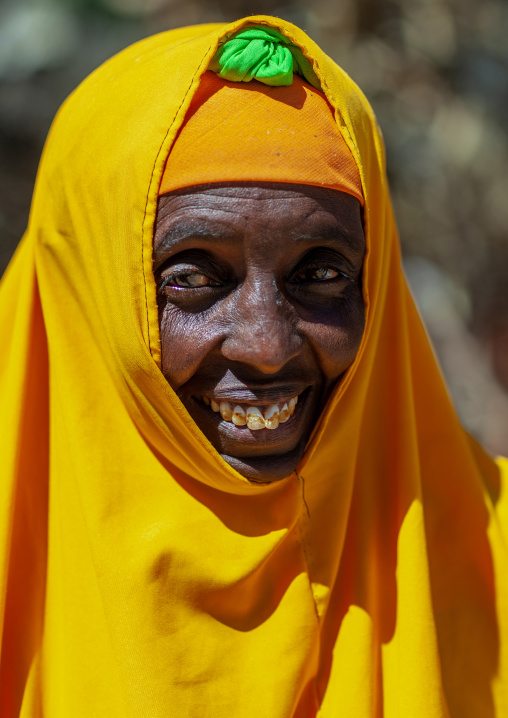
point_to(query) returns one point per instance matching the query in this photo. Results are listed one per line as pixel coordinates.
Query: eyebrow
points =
(354, 242)
(186, 230)
(183, 230)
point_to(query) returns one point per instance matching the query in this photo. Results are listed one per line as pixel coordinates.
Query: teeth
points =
(252, 416)
(238, 417)
(255, 419)
(284, 414)
(272, 416)
(226, 410)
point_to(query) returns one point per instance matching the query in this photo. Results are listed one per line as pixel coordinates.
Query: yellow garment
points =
(143, 577)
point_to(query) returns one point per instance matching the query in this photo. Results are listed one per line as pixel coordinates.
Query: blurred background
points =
(436, 73)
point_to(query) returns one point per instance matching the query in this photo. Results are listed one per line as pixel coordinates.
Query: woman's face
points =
(260, 304)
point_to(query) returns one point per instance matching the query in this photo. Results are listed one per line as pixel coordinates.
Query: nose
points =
(262, 330)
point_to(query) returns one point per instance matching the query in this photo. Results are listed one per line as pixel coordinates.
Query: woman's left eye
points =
(319, 274)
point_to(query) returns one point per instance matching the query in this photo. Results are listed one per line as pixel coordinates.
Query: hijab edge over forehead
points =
(238, 132)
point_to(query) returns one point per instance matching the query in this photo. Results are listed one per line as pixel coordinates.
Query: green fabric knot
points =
(262, 54)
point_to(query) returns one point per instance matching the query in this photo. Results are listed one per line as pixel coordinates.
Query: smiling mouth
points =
(254, 417)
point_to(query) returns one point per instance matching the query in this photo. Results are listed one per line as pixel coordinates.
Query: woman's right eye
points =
(186, 278)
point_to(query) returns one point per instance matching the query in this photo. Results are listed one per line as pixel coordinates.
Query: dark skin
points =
(260, 300)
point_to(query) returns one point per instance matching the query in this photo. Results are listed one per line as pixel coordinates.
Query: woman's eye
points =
(186, 280)
(320, 274)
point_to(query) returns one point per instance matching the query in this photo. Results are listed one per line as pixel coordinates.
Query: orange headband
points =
(250, 132)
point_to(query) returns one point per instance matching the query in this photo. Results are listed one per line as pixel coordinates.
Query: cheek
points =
(186, 339)
(336, 341)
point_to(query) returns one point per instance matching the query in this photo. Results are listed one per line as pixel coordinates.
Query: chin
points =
(266, 469)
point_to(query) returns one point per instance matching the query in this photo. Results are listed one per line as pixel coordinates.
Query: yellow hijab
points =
(142, 576)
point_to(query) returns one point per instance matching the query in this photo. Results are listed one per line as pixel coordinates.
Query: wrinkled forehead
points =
(279, 216)
(289, 211)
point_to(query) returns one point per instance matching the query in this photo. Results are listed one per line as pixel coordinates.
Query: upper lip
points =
(256, 396)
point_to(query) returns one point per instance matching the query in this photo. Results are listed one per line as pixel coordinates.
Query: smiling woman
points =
(261, 312)
(233, 483)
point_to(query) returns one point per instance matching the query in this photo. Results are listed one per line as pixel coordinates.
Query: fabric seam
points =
(148, 197)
